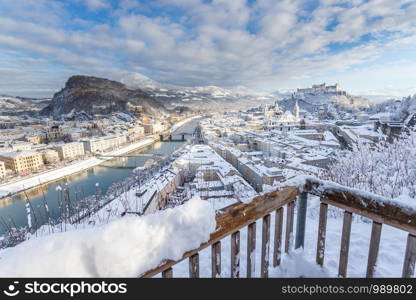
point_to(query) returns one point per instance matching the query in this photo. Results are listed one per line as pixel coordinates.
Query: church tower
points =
(297, 110)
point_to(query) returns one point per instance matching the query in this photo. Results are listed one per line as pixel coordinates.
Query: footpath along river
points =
(84, 182)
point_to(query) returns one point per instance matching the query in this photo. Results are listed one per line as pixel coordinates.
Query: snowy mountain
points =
(398, 109)
(13, 105)
(200, 97)
(99, 95)
(407, 106)
(139, 81)
(283, 93)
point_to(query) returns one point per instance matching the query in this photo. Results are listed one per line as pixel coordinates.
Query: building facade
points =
(70, 150)
(104, 143)
(50, 156)
(20, 162)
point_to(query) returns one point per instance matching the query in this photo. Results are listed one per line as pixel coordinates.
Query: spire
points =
(297, 110)
(276, 107)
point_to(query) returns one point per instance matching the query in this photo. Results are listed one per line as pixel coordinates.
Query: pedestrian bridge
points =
(174, 137)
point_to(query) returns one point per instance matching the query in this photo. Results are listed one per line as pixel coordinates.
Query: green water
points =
(83, 183)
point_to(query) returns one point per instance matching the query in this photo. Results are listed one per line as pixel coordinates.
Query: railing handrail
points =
(381, 210)
(375, 207)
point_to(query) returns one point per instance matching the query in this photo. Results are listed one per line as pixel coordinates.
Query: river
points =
(83, 184)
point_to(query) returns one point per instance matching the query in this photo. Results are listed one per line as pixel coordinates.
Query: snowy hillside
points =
(335, 104)
(201, 97)
(398, 109)
(10, 105)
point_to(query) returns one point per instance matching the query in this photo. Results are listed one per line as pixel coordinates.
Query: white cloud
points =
(95, 5)
(269, 44)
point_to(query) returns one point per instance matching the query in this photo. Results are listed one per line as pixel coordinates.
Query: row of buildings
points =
(268, 146)
(30, 147)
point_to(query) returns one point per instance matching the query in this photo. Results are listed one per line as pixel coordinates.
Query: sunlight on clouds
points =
(265, 44)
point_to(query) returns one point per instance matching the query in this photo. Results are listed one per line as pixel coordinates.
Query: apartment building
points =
(50, 156)
(21, 146)
(135, 133)
(104, 143)
(34, 138)
(23, 161)
(70, 150)
(154, 127)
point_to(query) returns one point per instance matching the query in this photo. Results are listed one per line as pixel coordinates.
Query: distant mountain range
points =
(212, 98)
(92, 95)
(14, 105)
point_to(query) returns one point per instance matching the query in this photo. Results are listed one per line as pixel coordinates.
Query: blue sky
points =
(366, 46)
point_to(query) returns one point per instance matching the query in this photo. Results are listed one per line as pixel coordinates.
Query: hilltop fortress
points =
(317, 89)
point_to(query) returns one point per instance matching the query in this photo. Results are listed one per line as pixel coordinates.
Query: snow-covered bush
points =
(407, 106)
(387, 169)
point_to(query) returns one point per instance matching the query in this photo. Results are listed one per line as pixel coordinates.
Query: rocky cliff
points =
(99, 95)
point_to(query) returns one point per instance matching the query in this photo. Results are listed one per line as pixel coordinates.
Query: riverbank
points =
(12, 188)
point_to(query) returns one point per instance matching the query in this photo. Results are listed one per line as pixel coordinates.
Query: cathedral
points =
(276, 118)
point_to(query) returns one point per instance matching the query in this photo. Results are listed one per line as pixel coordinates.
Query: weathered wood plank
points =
(278, 229)
(374, 207)
(289, 226)
(251, 249)
(216, 259)
(194, 266)
(373, 250)
(236, 217)
(320, 248)
(265, 247)
(168, 273)
(409, 257)
(302, 205)
(345, 244)
(235, 254)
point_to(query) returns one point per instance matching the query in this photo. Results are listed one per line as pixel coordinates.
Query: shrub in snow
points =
(125, 247)
(387, 169)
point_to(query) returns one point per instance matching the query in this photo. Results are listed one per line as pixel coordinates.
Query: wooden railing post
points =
(278, 228)
(410, 257)
(289, 225)
(345, 244)
(265, 241)
(168, 273)
(374, 246)
(194, 266)
(302, 204)
(216, 259)
(235, 254)
(320, 248)
(251, 249)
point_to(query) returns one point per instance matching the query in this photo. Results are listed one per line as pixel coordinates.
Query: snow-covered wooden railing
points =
(379, 209)
(233, 218)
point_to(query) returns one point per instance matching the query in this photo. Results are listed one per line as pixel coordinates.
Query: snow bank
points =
(126, 247)
(405, 202)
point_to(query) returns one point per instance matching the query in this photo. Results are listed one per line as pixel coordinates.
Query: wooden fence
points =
(233, 218)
